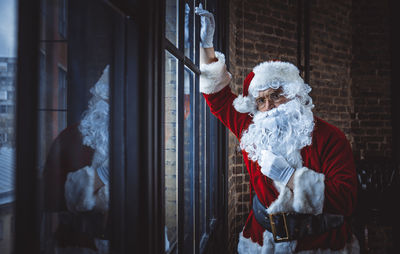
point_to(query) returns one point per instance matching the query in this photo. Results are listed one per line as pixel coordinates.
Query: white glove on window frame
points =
(207, 27)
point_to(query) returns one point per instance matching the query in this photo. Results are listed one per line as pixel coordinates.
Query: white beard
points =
(284, 130)
(94, 129)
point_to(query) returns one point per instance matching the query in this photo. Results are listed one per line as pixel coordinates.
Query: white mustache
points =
(283, 130)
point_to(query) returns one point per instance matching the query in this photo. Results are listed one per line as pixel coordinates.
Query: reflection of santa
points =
(298, 164)
(76, 177)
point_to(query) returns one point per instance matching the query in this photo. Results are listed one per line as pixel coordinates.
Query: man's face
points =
(270, 98)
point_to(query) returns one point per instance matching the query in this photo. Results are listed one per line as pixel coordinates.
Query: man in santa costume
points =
(76, 178)
(301, 168)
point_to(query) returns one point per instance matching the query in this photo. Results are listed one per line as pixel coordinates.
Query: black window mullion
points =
(196, 144)
(197, 111)
(207, 171)
(193, 67)
(181, 129)
(117, 135)
(173, 50)
(181, 57)
(27, 226)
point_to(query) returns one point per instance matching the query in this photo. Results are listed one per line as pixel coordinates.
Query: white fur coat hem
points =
(247, 246)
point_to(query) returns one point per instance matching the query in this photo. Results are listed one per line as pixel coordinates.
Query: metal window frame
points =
(27, 203)
(218, 223)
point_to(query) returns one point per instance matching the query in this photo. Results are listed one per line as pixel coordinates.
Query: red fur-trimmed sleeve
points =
(221, 106)
(214, 84)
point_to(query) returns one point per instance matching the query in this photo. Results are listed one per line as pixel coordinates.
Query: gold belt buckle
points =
(278, 239)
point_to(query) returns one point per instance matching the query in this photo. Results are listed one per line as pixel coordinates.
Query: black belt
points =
(291, 226)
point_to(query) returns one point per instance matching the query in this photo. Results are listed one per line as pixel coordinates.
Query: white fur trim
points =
(307, 196)
(214, 76)
(308, 189)
(284, 202)
(79, 189)
(245, 104)
(247, 246)
(79, 192)
(274, 75)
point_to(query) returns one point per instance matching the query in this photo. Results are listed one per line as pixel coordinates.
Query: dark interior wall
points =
(350, 73)
(330, 60)
(371, 77)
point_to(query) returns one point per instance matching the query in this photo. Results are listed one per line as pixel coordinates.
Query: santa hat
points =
(270, 74)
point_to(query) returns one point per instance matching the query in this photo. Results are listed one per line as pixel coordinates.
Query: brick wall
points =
(259, 31)
(350, 74)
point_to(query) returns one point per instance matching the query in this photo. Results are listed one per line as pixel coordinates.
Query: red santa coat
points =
(328, 162)
(67, 154)
(69, 161)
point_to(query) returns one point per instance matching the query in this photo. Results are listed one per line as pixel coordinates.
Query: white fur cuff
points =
(214, 76)
(308, 190)
(79, 192)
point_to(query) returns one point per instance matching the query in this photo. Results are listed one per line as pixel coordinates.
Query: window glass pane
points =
(73, 119)
(170, 152)
(212, 179)
(188, 162)
(171, 21)
(189, 29)
(8, 61)
(202, 158)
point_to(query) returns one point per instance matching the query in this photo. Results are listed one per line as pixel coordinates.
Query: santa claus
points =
(301, 168)
(76, 178)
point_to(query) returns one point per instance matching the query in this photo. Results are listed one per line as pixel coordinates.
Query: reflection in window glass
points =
(188, 162)
(189, 29)
(170, 152)
(171, 21)
(202, 175)
(8, 66)
(62, 97)
(73, 156)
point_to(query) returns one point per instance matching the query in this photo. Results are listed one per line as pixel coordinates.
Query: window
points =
(3, 138)
(190, 168)
(3, 67)
(6, 109)
(160, 151)
(3, 95)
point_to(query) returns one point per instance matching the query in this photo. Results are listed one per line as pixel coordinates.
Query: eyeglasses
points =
(276, 97)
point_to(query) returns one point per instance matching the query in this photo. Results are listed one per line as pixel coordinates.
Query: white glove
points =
(275, 167)
(207, 27)
(103, 172)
